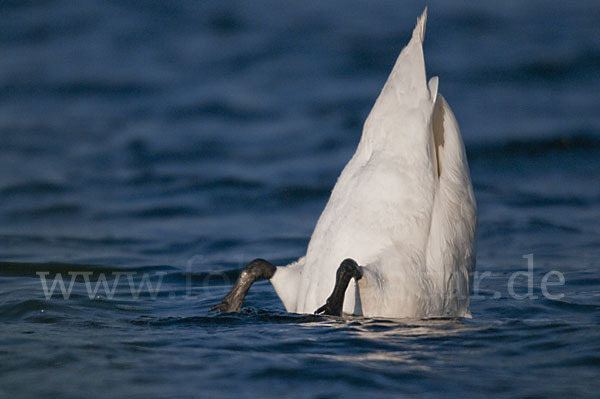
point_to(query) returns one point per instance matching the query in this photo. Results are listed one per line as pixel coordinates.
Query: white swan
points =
(403, 208)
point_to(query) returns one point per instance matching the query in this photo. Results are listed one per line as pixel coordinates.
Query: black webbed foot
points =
(257, 269)
(348, 269)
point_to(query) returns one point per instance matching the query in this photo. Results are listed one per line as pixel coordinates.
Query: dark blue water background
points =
(181, 139)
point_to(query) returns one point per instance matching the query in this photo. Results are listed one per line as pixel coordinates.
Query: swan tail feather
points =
(419, 30)
(405, 102)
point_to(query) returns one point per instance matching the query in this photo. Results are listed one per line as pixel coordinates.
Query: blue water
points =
(178, 141)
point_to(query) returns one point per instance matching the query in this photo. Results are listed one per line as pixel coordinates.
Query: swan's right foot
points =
(348, 269)
(258, 268)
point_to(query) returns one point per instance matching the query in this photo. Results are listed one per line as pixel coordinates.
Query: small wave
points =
(299, 193)
(562, 68)
(38, 307)
(34, 239)
(225, 22)
(165, 212)
(205, 279)
(221, 109)
(56, 210)
(23, 269)
(536, 200)
(40, 187)
(582, 141)
(104, 88)
(248, 315)
(140, 153)
(540, 224)
(190, 185)
(540, 68)
(582, 361)
(572, 307)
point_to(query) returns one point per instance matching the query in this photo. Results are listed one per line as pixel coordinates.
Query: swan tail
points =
(403, 109)
(408, 76)
(419, 30)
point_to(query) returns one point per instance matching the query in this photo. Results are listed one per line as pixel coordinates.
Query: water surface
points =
(176, 141)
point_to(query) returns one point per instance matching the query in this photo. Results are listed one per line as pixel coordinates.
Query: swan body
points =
(403, 208)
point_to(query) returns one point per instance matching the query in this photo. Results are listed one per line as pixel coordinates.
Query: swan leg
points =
(348, 269)
(257, 269)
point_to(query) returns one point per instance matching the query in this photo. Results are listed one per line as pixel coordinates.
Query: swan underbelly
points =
(373, 207)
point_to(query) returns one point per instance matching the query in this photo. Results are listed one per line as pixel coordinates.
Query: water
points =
(177, 141)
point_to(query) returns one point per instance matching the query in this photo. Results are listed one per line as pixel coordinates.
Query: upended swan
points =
(397, 236)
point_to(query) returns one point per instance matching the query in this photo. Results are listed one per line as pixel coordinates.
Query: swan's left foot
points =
(258, 268)
(348, 269)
